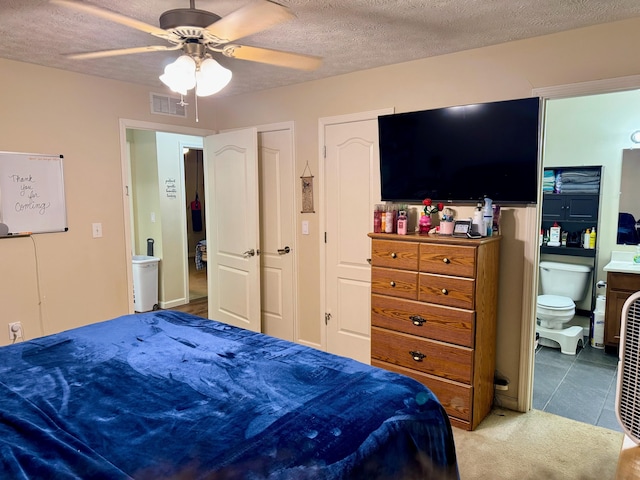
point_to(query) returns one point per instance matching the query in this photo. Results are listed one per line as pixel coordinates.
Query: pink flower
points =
(429, 208)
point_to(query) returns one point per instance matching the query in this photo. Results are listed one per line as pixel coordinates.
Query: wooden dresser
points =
(433, 317)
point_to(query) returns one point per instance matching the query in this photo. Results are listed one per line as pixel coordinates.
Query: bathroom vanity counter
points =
(622, 262)
(623, 279)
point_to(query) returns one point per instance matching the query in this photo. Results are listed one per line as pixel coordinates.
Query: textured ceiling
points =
(349, 35)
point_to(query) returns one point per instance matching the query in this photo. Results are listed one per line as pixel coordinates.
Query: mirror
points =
(629, 206)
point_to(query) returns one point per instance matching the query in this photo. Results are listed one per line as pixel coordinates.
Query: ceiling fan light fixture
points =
(180, 75)
(211, 77)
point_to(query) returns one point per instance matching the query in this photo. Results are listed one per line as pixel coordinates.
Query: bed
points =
(166, 394)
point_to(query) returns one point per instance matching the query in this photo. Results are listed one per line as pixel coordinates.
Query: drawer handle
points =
(394, 255)
(446, 260)
(445, 291)
(417, 320)
(392, 283)
(417, 356)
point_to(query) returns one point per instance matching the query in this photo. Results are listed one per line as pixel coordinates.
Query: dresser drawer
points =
(455, 397)
(447, 324)
(453, 260)
(428, 356)
(401, 255)
(398, 283)
(445, 290)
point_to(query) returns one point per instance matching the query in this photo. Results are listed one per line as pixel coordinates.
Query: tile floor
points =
(581, 387)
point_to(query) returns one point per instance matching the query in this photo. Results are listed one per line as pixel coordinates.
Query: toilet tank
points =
(566, 279)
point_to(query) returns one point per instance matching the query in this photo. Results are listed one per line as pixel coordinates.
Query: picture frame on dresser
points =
(461, 228)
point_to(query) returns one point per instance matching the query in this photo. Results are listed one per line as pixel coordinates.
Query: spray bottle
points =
(488, 216)
(477, 223)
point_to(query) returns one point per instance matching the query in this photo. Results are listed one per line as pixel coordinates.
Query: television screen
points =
(462, 154)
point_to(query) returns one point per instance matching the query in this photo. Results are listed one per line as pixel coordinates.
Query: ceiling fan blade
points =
(251, 18)
(113, 16)
(273, 57)
(122, 51)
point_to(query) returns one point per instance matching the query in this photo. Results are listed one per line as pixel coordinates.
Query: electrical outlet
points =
(15, 331)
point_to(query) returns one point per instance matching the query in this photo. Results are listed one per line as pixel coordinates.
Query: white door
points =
(231, 183)
(352, 188)
(277, 231)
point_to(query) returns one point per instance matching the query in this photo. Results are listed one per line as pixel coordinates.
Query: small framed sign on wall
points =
(307, 191)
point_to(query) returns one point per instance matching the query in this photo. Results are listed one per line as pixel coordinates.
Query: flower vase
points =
(424, 224)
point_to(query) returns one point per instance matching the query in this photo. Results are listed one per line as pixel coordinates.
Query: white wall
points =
(172, 202)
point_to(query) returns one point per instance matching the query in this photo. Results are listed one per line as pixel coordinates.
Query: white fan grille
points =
(628, 390)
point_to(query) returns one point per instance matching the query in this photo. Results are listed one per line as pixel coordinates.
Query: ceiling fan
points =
(198, 32)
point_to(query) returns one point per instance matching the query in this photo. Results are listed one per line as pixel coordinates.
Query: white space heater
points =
(628, 388)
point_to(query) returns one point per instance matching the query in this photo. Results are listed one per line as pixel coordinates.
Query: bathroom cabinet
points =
(573, 211)
(620, 286)
(570, 207)
(433, 317)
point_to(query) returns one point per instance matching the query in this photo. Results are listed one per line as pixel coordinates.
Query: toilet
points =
(561, 285)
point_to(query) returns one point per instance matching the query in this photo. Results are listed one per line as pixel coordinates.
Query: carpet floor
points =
(536, 445)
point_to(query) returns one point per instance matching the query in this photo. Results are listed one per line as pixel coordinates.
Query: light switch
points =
(305, 227)
(153, 217)
(96, 228)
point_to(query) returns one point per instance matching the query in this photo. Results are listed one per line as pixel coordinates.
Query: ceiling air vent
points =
(628, 391)
(166, 105)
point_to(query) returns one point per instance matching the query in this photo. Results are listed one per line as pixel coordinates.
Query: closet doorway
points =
(195, 223)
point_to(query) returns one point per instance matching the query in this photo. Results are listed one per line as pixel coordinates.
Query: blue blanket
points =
(169, 395)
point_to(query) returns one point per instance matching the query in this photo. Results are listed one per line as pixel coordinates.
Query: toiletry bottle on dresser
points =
(377, 219)
(592, 238)
(488, 217)
(478, 224)
(636, 258)
(388, 222)
(402, 222)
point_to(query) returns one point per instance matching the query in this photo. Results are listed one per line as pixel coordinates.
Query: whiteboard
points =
(32, 193)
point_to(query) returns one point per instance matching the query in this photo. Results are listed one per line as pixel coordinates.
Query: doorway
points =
(582, 387)
(196, 223)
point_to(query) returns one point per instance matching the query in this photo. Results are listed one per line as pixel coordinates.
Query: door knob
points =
(283, 251)
(249, 253)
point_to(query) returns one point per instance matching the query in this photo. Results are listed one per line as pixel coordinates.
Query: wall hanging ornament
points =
(307, 190)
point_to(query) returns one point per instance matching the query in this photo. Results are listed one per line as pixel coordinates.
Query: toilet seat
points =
(553, 311)
(555, 302)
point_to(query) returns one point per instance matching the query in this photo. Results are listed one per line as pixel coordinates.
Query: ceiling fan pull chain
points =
(196, 106)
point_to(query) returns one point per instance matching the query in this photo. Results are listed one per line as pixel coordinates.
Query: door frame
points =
(322, 200)
(530, 285)
(125, 163)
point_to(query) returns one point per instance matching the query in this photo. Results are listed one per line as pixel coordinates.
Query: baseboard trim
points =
(173, 303)
(503, 401)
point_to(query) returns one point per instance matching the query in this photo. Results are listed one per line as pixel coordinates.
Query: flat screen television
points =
(459, 155)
